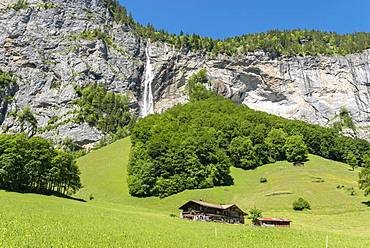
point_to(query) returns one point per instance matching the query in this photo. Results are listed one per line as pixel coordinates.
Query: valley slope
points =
(116, 219)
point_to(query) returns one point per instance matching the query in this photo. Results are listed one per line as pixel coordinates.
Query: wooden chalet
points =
(204, 211)
(274, 222)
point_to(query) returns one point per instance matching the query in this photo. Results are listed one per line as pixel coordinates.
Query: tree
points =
(242, 153)
(366, 161)
(254, 215)
(301, 204)
(275, 142)
(197, 86)
(66, 173)
(295, 149)
(351, 160)
(346, 119)
(26, 117)
(364, 181)
(262, 153)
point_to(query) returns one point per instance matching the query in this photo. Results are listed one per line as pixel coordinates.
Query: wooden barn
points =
(274, 222)
(204, 211)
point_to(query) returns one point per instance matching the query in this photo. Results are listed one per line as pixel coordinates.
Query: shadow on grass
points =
(367, 203)
(47, 193)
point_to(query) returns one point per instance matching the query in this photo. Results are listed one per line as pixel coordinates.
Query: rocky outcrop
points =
(313, 89)
(44, 49)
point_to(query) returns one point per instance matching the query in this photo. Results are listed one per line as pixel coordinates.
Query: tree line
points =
(192, 146)
(274, 42)
(33, 164)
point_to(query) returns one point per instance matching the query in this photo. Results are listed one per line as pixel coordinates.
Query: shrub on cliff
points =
(20, 4)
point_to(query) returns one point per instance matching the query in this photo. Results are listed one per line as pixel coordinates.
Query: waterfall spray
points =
(148, 104)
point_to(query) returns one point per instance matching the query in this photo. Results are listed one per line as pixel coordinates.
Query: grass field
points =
(115, 219)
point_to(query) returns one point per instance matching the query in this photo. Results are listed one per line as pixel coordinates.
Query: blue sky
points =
(225, 18)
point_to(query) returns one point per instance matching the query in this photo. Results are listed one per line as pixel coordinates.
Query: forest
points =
(33, 164)
(193, 146)
(276, 43)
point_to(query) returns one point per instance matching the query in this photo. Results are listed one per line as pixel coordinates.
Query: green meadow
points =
(115, 219)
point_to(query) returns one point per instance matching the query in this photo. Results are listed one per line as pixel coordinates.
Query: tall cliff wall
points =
(43, 48)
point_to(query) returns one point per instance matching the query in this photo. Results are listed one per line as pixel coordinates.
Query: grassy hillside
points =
(115, 219)
(40, 221)
(329, 204)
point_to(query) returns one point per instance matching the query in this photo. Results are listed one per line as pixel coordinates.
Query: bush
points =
(263, 180)
(6, 79)
(96, 34)
(346, 119)
(254, 215)
(47, 6)
(301, 204)
(27, 120)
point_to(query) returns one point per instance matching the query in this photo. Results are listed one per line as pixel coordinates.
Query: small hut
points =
(274, 222)
(204, 211)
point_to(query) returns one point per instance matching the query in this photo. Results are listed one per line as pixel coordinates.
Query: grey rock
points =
(82, 134)
(43, 48)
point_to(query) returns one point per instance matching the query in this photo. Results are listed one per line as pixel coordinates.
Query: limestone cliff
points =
(44, 49)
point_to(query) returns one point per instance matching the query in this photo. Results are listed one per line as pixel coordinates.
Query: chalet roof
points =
(275, 219)
(211, 205)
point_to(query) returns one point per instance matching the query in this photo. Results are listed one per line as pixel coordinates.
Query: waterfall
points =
(148, 104)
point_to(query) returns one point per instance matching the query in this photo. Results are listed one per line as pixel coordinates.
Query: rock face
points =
(45, 50)
(313, 89)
